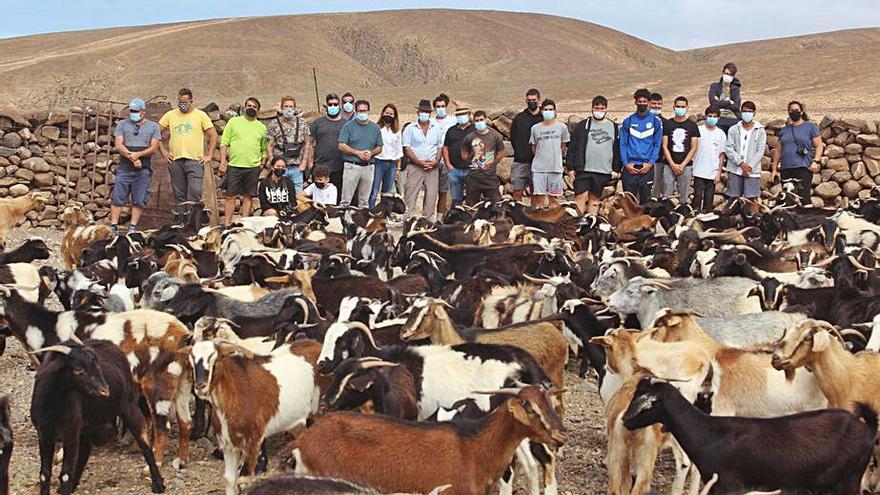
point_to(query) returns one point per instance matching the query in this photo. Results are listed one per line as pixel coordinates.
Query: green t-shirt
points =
(360, 137)
(246, 142)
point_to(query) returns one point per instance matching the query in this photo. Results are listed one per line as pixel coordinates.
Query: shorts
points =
(591, 182)
(443, 179)
(242, 181)
(134, 184)
(520, 176)
(739, 186)
(547, 183)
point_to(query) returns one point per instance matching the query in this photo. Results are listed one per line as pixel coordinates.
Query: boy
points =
(744, 149)
(321, 190)
(593, 156)
(640, 139)
(548, 140)
(709, 161)
(680, 143)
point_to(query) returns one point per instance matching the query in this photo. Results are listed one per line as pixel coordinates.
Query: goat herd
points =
(432, 361)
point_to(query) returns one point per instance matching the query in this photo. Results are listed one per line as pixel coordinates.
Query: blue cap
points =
(137, 104)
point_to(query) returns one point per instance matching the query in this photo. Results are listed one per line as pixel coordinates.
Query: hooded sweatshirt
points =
(729, 109)
(640, 138)
(752, 152)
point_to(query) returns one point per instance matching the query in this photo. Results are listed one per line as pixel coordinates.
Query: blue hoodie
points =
(640, 138)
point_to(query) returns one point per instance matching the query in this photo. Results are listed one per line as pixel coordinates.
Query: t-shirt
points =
(246, 142)
(484, 148)
(326, 196)
(454, 137)
(678, 138)
(326, 135)
(277, 195)
(392, 145)
(792, 137)
(599, 150)
(280, 129)
(706, 161)
(187, 132)
(548, 141)
(361, 137)
(136, 137)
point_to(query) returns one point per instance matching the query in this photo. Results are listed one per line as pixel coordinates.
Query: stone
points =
(503, 170)
(772, 141)
(818, 178)
(837, 164)
(817, 202)
(853, 158)
(871, 126)
(214, 115)
(220, 125)
(826, 122)
(872, 165)
(36, 164)
(841, 177)
(50, 132)
(873, 152)
(17, 190)
(826, 174)
(775, 124)
(853, 149)
(12, 140)
(24, 174)
(868, 139)
(45, 179)
(851, 189)
(844, 138)
(828, 190)
(6, 152)
(858, 170)
(49, 223)
(864, 194)
(7, 181)
(103, 190)
(26, 134)
(867, 182)
(765, 180)
(853, 124)
(15, 160)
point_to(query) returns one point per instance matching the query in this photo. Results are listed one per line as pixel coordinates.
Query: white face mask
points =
(598, 115)
(727, 78)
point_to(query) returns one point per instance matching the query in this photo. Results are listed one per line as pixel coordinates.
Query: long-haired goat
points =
(12, 210)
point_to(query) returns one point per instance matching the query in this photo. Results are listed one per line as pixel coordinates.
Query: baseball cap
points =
(137, 104)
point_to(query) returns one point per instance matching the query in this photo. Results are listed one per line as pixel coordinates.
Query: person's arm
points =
(164, 124)
(774, 161)
(665, 147)
(513, 129)
(304, 195)
(445, 151)
(500, 154)
(270, 145)
(412, 157)
(760, 143)
(616, 164)
(212, 145)
(120, 147)
(735, 100)
(377, 144)
(624, 144)
(656, 144)
(818, 149)
(224, 146)
(264, 198)
(695, 146)
(722, 160)
(154, 145)
(714, 98)
(731, 151)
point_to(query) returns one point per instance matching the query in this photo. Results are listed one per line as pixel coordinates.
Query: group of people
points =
(351, 159)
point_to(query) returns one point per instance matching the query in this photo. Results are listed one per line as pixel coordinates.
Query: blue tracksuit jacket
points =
(640, 138)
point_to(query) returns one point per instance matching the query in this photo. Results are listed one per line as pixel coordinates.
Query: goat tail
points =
(867, 414)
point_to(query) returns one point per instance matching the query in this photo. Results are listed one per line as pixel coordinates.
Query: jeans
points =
(383, 179)
(187, 180)
(639, 185)
(680, 184)
(296, 176)
(704, 194)
(417, 179)
(356, 178)
(457, 177)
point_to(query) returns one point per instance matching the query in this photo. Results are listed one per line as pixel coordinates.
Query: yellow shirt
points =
(187, 132)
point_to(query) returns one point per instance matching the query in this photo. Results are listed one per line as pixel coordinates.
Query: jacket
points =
(520, 133)
(753, 154)
(640, 138)
(715, 96)
(577, 148)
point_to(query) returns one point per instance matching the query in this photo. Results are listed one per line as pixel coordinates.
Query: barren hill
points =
(484, 58)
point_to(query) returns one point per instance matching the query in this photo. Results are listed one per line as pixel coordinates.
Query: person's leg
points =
(645, 183)
(388, 177)
(630, 182)
(659, 190)
(270, 213)
(442, 188)
(539, 190)
(120, 194)
(140, 195)
(593, 202)
(414, 181)
(195, 177)
(228, 209)
(456, 186)
(251, 186)
(336, 179)
(246, 205)
(472, 190)
(349, 183)
(555, 188)
(178, 183)
(365, 184)
(296, 176)
(699, 194)
(432, 183)
(378, 175)
(683, 184)
(491, 190)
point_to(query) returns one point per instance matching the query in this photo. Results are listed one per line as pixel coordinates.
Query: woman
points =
(725, 96)
(798, 152)
(277, 191)
(388, 161)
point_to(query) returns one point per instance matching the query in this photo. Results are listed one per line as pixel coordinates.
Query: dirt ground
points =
(119, 469)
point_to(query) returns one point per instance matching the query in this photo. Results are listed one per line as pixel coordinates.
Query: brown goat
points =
(81, 233)
(180, 265)
(12, 210)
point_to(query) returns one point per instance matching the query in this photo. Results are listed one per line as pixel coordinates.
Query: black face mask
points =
(387, 119)
(642, 108)
(278, 172)
(250, 112)
(532, 105)
(320, 185)
(794, 115)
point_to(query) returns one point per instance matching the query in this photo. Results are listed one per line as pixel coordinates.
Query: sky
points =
(675, 24)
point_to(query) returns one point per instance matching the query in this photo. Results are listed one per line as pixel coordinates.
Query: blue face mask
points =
(748, 116)
(548, 114)
(655, 111)
(136, 117)
(681, 112)
(462, 119)
(441, 112)
(424, 116)
(348, 107)
(480, 126)
(362, 116)
(711, 121)
(333, 110)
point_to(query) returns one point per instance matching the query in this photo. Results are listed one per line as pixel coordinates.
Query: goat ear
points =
(184, 351)
(821, 341)
(648, 289)
(519, 412)
(754, 292)
(602, 341)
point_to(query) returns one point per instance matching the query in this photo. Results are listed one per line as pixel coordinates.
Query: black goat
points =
(30, 250)
(5, 445)
(581, 325)
(79, 392)
(390, 387)
(796, 452)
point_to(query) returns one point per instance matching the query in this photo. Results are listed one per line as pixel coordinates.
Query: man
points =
(445, 121)
(136, 139)
(548, 139)
(709, 161)
(520, 133)
(324, 141)
(359, 141)
(423, 145)
(746, 141)
(457, 167)
(187, 127)
(593, 156)
(288, 136)
(347, 107)
(484, 149)
(277, 191)
(655, 106)
(242, 152)
(640, 139)
(681, 140)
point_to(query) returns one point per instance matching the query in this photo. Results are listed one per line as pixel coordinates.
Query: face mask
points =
(681, 112)
(136, 117)
(320, 185)
(727, 78)
(387, 119)
(462, 119)
(598, 115)
(711, 121)
(480, 126)
(656, 111)
(641, 108)
(548, 114)
(288, 113)
(748, 116)
(333, 110)
(250, 112)
(348, 107)
(278, 172)
(441, 112)
(362, 116)
(532, 105)
(424, 116)
(183, 107)
(794, 115)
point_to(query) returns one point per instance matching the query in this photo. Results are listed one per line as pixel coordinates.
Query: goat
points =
(465, 260)
(470, 459)
(254, 397)
(6, 444)
(614, 274)
(389, 386)
(726, 446)
(79, 392)
(13, 210)
(580, 326)
(506, 305)
(81, 231)
(309, 485)
(26, 279)
(32, 249)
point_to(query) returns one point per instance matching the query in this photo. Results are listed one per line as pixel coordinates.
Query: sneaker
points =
(132, 229)
(114, 228)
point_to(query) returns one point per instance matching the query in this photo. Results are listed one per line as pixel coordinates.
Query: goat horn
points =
(535, 279)
(826, 261)
(851, 331)
(227, 346)
(76, 339)
(63, 349)
(852, 259)
(588, 300)
(360, 326)
(502, 391)
(305, 307)
(748, 248)
(377, 364)
(657, 283)
(710, 484)
(5, 290)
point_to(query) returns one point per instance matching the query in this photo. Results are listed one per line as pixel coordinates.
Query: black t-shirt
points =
(454, 136)
(326, 135)
(678, 135)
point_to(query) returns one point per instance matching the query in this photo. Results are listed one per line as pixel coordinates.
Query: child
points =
(745, 148)
(321, 190)
(709, 161)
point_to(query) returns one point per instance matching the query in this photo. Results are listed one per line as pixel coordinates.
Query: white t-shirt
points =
(392, 145)
(325, 196)
(712, 144)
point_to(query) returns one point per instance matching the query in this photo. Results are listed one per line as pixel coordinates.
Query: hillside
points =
(483, 58)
